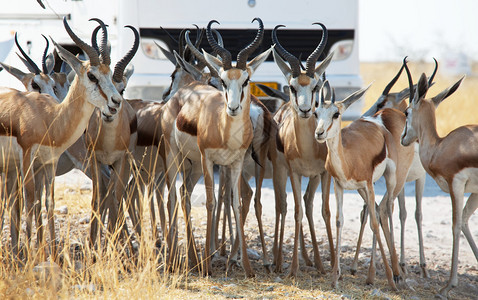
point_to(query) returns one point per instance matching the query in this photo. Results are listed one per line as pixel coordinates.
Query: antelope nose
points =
(112, 110)
(319, 133)
(305, 111)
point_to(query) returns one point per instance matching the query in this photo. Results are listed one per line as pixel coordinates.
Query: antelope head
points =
(121, 75)
(303, 85)
(41, 81)
(185, 70)
(93, 77)
(329, 112)
(421, 106)
(235, 79)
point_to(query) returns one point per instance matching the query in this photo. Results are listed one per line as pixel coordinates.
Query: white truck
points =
(153, 70)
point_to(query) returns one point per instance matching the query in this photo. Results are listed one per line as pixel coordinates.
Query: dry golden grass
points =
(114, 273)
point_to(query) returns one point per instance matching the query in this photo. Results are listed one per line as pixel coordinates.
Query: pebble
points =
(270, 289)
(344, 296)
(253, 254)
(216, 288)
(63, 210)
(85, 287)
(84, 220)
(278, 279)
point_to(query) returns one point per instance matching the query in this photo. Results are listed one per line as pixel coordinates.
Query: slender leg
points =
(403, 219)
(207, 167)
(95, 202)
(457, 195)
(376, 230)
(325, 180)
(279, 180)
(50, 205)
(363, 222)
(419, 186)
(470, 207)
(339, 196)
(220, 201)
(236, 171)
(295, 180)
(309, 211)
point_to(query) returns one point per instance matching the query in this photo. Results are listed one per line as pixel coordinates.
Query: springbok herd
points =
(79, 119)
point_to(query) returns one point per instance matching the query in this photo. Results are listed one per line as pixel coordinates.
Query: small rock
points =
(231, 285)
(285, 265)
(85, 287)
(29, 292)
(62, 210)
(231, 296)
(216, 288)
(278, 279)
(84, 220)
(270, 289)
(376, 293)
(253, 254)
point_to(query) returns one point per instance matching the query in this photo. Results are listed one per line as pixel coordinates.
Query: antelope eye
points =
(92, 77)
(380, 105)
(336, 115)
(406, 113)
(223, 83)
(35, 86)
(245, 83)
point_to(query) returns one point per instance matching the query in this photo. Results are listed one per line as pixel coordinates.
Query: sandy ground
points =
(436, 231)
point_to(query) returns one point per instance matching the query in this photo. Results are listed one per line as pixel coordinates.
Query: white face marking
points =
(328, 122)
(99, 86)
(303, 96)
(40, 85)
(235, 89)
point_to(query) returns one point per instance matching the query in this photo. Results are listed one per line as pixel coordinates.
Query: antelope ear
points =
(128, 71)
(273, 92)
(354, 97)
(258, 60)
(74, 62)
(14, 71)
(187, 66)
(280, 62)
(324, 64)
(168, 54)
(50, 63)
(213, 61)
(446, 93)
(421, 89)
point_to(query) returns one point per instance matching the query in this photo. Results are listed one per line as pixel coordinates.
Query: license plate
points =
(256, 91)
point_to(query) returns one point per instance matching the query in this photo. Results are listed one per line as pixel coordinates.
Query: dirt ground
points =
(74, 190)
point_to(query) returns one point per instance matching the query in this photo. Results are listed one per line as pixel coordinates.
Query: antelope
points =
(353, 167)
(39, 129)
(416, 173)
(109, 139)
(194, 135)
(451, 161)
(263, 131)
(298, 154)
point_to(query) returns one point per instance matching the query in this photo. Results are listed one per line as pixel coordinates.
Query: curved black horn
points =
(43, 60)
(94, 43)
(430, 80)
(392, 83)
(314, 56)
(410, 80)
(121, 65)
(199, 55)
(244, 53)
(293, 61)
(90, 51)
(223, 53)
(28, 59)
(105, 56)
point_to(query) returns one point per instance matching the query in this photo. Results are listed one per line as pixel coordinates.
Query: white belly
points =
(307, 168)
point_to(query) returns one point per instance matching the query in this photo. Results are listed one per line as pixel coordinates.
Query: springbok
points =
(222, 142)
(109, 139)
(298, 154)
(358, 155)
(36, 129)
(416, 173)
(451, 160)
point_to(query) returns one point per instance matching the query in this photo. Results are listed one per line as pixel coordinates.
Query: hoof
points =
(397, 278)
(268, 268)
(353, 271)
